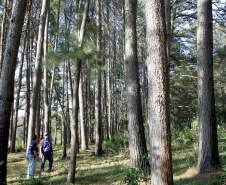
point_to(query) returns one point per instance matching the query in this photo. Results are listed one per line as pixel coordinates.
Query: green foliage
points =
(118, 144)
(87, 51)
(224, 173)
(32, 182)
(183, 136)
(63, 166)
(18, 147)
(133, 176)
(1, 163)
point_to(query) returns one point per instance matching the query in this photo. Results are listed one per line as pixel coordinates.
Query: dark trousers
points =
(49, 157)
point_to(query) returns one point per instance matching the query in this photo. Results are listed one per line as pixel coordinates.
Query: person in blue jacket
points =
(32, 156)
(46, 152)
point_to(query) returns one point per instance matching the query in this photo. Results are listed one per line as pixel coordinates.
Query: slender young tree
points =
(54, 68)
(109, 135)
(7, 81)
(158, 94)
(75, 103)
(208, 145)
(137, 141)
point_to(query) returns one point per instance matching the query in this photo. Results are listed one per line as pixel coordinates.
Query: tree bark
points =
(2, 41)
(38, 120)
(46, 73)
(36, 77)
(158, 94)
(75, 104)
(7, 81)
(98, 117)
(137, 141)
(168, 28)
(208, 145)
(84, 141)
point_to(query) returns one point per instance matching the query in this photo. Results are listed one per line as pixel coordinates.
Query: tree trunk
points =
(2, 41)
(64, 138)
(75, 104)
(54, 68)
(36, 77)
(158, 94)
(55, 139)
(7, 81)
(137, 141)
(208, 145)
(38, 120)
(83, 126)
(46, 74)
(13, 141)
(89, 114)
(98, 117)
(168, 28)
(28, 75)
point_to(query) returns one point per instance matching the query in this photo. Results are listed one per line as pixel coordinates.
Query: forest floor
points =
(110, 169)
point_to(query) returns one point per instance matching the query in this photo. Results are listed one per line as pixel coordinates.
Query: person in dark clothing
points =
(46, 152)
(32, 156)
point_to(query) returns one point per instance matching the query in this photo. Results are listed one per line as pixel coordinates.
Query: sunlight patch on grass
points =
(186, 173)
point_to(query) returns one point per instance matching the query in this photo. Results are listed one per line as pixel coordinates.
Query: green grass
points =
(109, 168)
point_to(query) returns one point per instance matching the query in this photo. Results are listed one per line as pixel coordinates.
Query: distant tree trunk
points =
(67, 107)
(137, 141)
(83, 126)
(7, 81)
(98, 117)
(208, 145)
(109, 73)
(55, 140)
(64, 138)
(2, 41)
(36, 77)
(89, 115)
(168, 28)
(54, 67)
(75, 103)
(114, 121)
(12, 148)
(11, 124)
(105, 105)
(24, 127)
(64, 119)
(158, 94)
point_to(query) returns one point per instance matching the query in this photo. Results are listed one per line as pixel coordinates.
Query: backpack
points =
(47, 147)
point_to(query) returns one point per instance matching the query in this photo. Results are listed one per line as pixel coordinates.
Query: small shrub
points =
(131, 176)
(118, 144)
(134, 176)
(183, 136)
(18, 147)
(224, 174)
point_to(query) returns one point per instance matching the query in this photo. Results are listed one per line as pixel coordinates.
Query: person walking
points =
(46, 152)
(32, 156)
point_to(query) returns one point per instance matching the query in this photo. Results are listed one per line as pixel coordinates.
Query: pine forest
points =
(113, 92)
